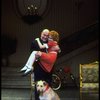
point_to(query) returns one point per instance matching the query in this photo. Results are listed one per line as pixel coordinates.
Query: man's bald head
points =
(45, 35)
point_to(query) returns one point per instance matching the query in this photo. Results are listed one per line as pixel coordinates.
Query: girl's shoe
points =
(24, 68)
(29, 70)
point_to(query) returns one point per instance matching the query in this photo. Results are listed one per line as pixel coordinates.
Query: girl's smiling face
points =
(50, 37)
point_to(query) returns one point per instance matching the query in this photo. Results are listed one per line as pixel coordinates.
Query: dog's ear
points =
(36, 82)
(45, 83)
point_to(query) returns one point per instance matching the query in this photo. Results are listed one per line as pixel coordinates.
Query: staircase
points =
(14, 85)
(12, 78)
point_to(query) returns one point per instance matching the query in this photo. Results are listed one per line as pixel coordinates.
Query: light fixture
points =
(31, 11)
(32, 15)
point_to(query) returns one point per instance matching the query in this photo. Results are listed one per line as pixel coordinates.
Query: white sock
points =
(31, 59)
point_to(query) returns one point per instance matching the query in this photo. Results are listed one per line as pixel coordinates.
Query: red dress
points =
(48, 59)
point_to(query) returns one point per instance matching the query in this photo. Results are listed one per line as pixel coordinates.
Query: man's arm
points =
(40, 45)
(34, 46)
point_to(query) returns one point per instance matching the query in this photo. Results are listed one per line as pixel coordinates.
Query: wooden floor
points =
(16, 87)
(68, 93)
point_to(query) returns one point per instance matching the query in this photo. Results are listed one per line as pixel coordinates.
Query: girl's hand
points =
(38, 54)
(37, 39)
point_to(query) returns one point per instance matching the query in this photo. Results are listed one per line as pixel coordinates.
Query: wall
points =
(62, 16)
(84, 55)
(59, 18)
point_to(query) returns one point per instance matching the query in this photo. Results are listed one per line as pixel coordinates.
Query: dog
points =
(45, 91)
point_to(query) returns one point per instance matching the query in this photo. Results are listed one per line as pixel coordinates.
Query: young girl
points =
(47, 60)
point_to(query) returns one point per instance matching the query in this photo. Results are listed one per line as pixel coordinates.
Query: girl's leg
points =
(29, 63)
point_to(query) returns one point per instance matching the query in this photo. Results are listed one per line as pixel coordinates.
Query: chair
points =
(89, 77)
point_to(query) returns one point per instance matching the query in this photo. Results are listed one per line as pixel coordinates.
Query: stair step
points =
(11, 78)
(15, 98)
(10, 68)
(18, 87)
(16, 94)
(14, 78)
